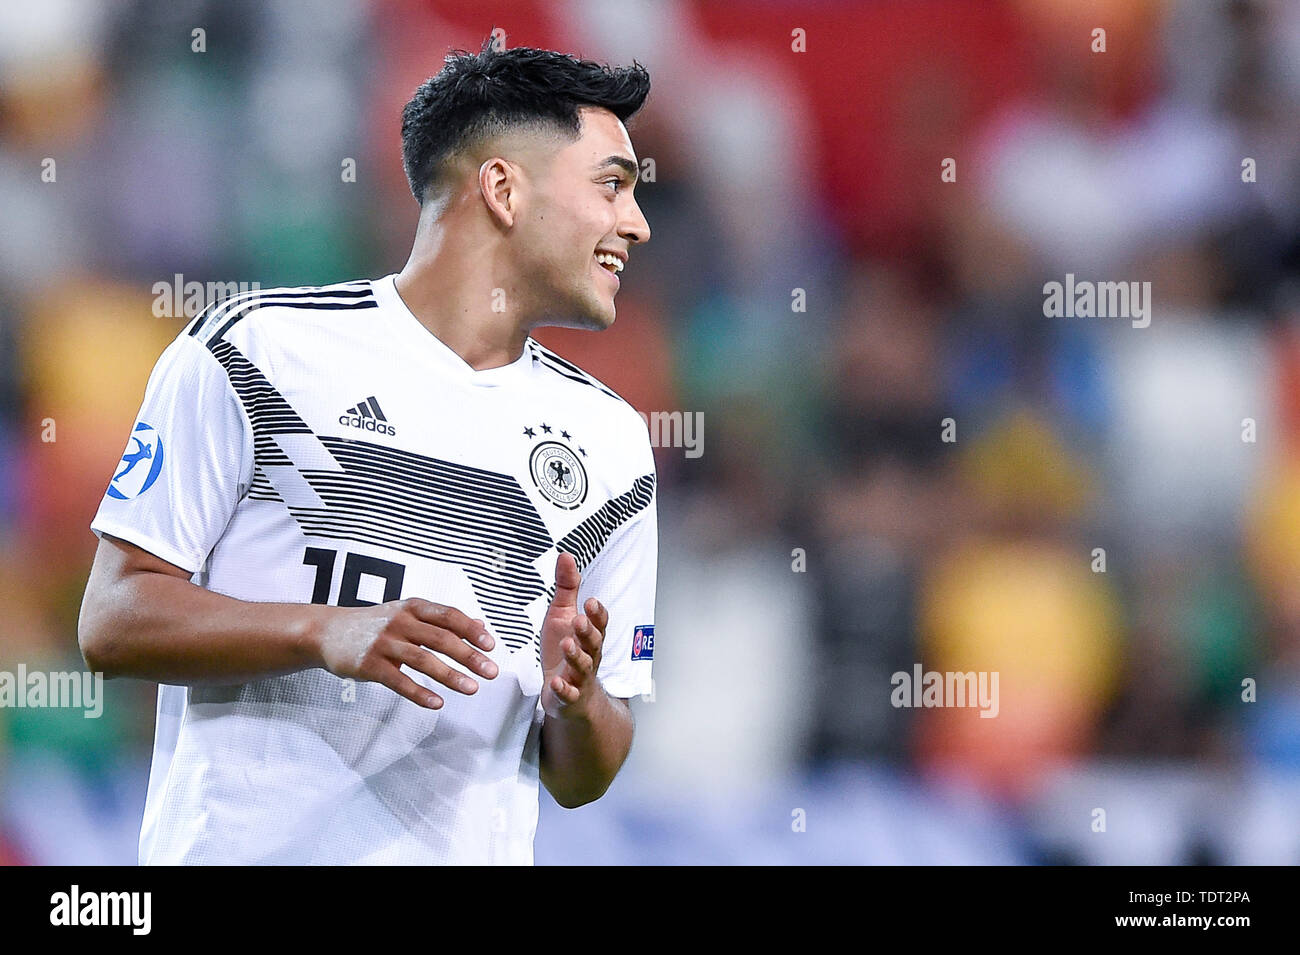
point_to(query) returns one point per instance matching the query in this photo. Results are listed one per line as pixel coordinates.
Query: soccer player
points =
(391, 560)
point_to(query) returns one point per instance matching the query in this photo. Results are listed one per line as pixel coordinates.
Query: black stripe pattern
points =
(567, 369)
(585, 541)
(480, 520)
(215, 321)
(267, 410)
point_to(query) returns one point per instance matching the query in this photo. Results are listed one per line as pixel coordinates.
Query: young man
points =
(392, 560)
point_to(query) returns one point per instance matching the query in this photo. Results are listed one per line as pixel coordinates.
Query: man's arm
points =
(581, 756)
(142, 617)
(587, 733)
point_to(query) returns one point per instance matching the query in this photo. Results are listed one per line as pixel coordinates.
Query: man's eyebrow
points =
(622, 162)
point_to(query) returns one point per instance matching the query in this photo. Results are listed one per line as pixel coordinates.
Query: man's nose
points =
(634, 227)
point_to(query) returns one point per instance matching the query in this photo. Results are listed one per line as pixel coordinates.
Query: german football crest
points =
(558, 474)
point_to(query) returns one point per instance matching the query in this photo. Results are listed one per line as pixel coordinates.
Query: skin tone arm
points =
(142, 617)
(587, 733)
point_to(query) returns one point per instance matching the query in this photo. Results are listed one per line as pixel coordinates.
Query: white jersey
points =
(321, 445)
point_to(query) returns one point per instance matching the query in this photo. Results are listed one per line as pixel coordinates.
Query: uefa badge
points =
(643, 642)
(140, 466)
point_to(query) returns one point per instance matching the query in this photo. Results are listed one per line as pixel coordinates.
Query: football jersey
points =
(320, 445)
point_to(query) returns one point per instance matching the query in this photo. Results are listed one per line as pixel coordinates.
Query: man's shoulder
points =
(597, 398)
(279, 310)
(565, 371)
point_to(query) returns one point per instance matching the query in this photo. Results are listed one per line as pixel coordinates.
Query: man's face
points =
(580, 208)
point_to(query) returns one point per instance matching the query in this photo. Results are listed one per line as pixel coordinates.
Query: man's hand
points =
(587, 733)
(142, 617)
(571, 645)
(372, 643)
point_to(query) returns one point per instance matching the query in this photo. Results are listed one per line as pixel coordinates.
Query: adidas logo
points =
(367, 416)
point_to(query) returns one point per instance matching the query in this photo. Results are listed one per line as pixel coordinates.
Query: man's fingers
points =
(578, 659)
(598, 613)
(451, 619)
(422, 635)
(403, 685)
(590, 627)
(588, 636)
(567, 581)
(564, 690)
(417, 658)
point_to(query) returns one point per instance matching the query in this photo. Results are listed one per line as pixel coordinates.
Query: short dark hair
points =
(476, 95)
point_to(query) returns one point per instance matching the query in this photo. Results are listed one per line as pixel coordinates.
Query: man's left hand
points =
(571, 645)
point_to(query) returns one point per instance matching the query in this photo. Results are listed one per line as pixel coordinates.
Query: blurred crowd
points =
(905, 461)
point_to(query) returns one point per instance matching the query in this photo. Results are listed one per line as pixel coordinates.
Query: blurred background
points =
(827, 303)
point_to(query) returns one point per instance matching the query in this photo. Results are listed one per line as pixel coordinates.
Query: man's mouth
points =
(610, 262)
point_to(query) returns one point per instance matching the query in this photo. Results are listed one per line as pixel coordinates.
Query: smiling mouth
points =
(613, 274)
(609, 262)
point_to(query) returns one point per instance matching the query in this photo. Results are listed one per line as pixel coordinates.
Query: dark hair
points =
(476, 95)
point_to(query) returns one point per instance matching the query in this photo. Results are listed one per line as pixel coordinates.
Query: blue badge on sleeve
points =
(643, 642)
(141, 464)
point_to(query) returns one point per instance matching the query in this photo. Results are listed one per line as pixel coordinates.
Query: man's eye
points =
(616, 181)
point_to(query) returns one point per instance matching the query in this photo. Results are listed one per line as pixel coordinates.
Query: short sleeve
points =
(623, 577)
(186, 463)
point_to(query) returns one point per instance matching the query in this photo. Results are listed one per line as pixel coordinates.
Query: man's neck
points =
(460, 313)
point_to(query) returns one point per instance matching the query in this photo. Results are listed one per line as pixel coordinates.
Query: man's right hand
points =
(372, 643)
(142, 617)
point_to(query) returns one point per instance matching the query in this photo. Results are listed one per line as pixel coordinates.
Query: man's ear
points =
(498, 183)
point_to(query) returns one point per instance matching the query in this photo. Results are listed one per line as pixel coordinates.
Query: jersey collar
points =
(424, 343)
